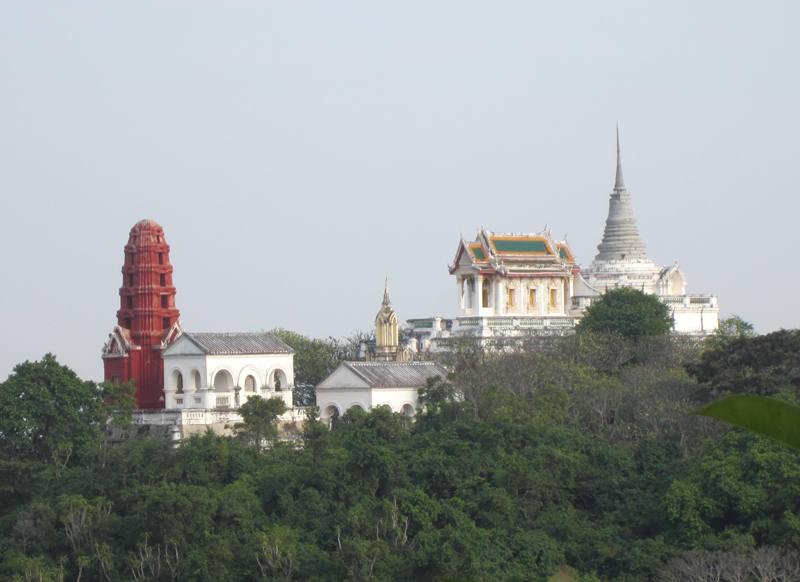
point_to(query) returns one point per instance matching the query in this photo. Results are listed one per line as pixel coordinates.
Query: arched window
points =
(279, 381)
(250, 384)
(532, 298)
(177, 381)
(408, 410)
(331, 416)
(223, 381)
(196, 383)
(485, 291)
(511, 295)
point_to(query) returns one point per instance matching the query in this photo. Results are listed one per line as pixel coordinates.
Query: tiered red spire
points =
(147, 317)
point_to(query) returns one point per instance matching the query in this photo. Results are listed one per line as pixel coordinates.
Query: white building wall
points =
(346, 397)
(695, 319)
(262, 367)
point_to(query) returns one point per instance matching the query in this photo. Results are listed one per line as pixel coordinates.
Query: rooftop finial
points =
(386, 300)
(619, 182)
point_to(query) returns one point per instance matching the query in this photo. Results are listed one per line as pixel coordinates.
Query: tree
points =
(764, 364)
(48, 413)
(731, 328)
(259, 419)
(627, 312)
(315, 359)
(118, 403)
(765, 563)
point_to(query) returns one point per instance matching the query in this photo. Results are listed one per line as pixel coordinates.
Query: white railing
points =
(696, 301)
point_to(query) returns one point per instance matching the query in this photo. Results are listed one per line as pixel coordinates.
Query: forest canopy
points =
(579, 458)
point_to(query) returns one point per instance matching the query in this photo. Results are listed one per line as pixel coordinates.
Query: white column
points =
(479, 295)
(544, 298)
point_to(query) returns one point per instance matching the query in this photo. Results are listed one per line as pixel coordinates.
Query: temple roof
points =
(502, 250)
(215, 343)
(396, 374)
(621, 240)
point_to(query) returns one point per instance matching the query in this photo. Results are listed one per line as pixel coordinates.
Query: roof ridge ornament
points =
(386, 300)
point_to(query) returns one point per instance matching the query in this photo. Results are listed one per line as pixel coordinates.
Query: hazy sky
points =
(297, 152)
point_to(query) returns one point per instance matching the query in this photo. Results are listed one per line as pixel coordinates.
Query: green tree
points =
(315, 359)
(627, 312)
(118, 403)
(731, 328)
(48, 413)
(764, 364)
(259, 419)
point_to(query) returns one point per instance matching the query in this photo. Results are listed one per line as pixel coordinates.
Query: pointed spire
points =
(386, 300)
(619, 181)
(621, 241)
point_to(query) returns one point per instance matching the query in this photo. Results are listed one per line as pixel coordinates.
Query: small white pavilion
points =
(223, 370)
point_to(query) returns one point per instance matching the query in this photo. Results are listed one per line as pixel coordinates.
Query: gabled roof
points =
(392, 374)
(231, 344)
(119, 342)
(493, 250)
(477, 253)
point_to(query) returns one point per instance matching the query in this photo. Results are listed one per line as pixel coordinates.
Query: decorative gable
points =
(343, 377)
(183, 346)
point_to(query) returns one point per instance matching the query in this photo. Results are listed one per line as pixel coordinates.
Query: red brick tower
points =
(147, 320)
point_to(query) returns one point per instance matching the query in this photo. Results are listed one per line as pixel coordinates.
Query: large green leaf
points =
(765, 416)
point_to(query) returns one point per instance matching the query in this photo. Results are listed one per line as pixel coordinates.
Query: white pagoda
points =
(622, 261)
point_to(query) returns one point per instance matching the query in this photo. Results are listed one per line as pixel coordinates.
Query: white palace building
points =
(513, 285)
(208, 376)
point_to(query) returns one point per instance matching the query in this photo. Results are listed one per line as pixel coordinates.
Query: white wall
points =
(695, 321)
(345, 398)
(261, 366)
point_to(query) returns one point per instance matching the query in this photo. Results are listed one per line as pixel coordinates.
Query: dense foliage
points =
(579, 457)
(765, 364)
(627, 312)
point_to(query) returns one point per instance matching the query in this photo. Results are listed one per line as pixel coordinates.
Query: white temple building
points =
(510, 284)
(516, 285)
(388, 377)
(369, 384)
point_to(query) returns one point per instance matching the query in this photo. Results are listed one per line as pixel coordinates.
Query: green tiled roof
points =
(520, 246)
(479, 254)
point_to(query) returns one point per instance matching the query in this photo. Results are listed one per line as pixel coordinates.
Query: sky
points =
(298, 152)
